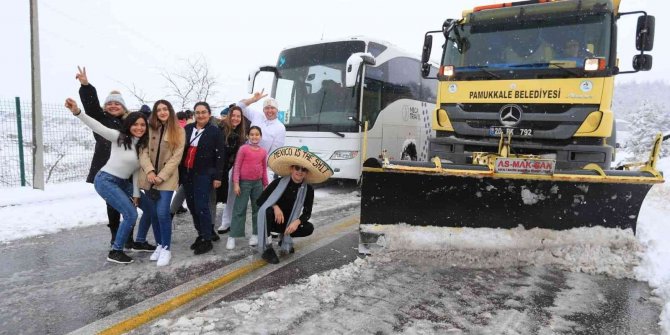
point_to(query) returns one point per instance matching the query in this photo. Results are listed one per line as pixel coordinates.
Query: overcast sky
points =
(126, 42)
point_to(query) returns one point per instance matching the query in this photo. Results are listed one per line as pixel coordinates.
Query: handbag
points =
(153, 193)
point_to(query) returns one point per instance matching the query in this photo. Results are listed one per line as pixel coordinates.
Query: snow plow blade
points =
(423, 194)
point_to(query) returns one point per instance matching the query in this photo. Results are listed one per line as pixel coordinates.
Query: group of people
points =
(140, 161)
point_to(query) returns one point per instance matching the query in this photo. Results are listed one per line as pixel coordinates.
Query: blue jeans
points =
(198, 188)
(118, 192)
(157, 214)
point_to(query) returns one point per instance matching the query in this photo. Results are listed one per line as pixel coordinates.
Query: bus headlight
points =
(343, 154)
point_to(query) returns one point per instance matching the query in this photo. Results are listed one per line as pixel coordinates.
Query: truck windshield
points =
(311, 91)
(526, 48)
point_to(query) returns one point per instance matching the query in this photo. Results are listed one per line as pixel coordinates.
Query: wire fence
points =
(68, 144)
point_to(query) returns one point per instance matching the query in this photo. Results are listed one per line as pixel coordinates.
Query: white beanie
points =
(116, 97)
(271, 103)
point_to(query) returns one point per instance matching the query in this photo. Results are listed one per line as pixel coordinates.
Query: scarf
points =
(287, 242)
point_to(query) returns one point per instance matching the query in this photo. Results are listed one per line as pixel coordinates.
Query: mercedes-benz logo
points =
(510, 115)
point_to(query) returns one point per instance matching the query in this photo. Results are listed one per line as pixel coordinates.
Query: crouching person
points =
(285, 206)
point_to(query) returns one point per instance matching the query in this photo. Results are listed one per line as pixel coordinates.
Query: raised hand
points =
(81, 76)
(72, 106)
(259, 95)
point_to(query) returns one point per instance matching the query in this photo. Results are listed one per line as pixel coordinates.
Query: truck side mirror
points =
(642, 62)
(644, 36)
(425, 55)
(354, 65)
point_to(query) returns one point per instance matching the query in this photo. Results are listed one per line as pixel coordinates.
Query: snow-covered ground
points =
(344, 292)
(645, 257)
(26, 212)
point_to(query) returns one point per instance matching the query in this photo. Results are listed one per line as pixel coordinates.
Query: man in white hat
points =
(273, 130)
(285, 206)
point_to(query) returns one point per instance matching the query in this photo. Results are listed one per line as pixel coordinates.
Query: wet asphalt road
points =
(57, 283)
(396, 294)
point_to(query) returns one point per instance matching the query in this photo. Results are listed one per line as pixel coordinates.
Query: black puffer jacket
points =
(89, 99)
(231, 146)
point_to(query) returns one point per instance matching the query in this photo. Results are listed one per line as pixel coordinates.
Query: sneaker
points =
(203, 247)
(195, 244)
(143, 246)
(164, 258)
(156, 254)
(270, 256)
(268, 240)
(117, 256)
(230, 244)
(253, 240)
(215, 236)
(129, 245)
(222, 231)
(182, 210)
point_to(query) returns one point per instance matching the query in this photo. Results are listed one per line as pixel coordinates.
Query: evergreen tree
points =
(646, 122)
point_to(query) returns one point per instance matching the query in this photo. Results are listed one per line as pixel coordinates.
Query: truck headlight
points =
(343, 154)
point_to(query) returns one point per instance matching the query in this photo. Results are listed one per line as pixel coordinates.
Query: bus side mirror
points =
(354, 66)
(642, 62)
(644, 36)
(251, 79)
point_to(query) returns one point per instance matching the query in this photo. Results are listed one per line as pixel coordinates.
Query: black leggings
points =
(303, 230)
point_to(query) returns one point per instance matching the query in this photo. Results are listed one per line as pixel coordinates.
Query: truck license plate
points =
(523, 132)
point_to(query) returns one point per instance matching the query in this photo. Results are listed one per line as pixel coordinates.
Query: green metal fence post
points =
(20, 140)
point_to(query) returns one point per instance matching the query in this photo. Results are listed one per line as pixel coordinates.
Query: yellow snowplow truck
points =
(524, 131)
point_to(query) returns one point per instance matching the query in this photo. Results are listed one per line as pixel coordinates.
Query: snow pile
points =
(29, 212)
(653, 233)
(272, 311)
(595, 250)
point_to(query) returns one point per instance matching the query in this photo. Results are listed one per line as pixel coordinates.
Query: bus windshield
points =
(525, 48)
(311, 91)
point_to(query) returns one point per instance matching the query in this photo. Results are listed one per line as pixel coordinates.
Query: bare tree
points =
(139, 94)
(192, 83)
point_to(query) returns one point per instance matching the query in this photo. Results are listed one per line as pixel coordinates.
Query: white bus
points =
(323, 102)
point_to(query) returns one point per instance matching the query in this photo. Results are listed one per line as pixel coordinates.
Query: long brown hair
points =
(228, 127)
(174, 134)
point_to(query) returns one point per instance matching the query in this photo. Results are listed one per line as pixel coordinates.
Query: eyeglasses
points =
(299, 168)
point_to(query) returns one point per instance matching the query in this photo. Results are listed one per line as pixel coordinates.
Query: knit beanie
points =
(116, 97)
(271, 103)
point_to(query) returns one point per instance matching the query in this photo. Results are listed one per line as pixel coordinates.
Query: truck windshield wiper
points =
(481, 68)
(548, 65)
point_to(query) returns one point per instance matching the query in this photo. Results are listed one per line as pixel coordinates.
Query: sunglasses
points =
(298, 168)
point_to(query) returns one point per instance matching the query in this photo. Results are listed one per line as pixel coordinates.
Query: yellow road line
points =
(176, 302)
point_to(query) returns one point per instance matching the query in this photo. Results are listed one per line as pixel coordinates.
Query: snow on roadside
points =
(654, 234)
(595, 250)
(27, 212)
